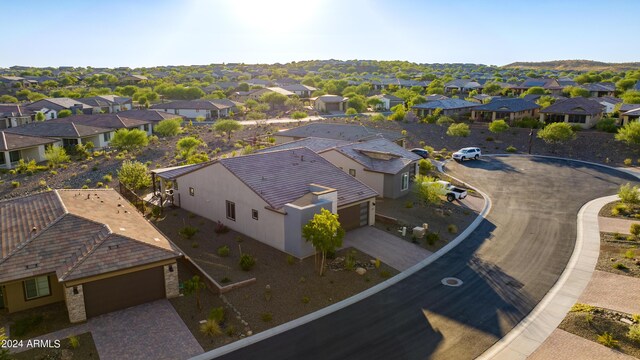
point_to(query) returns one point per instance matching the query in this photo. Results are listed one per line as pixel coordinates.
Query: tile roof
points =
(11, 142)
(379, 155)
(446, 104)
(171, 173)
(633, 112)
(11, 110)
(105, 100)
(609, 87)
(550, 84)
(340, 132)
(331, 98)
(463, 83)
(433, 97)
(314, 143)
(297, 169)
(57, 104)
(507, 105)
(74, 233)
(108, 121)
(192, 104)
(281, 91)
(298, 87)
(148, 115)
(628, 107)
(576, 106)
(56, 129)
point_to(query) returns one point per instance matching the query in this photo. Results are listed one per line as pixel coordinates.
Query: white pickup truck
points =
(452, 192)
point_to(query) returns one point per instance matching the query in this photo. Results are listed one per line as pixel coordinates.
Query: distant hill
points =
(580, 65)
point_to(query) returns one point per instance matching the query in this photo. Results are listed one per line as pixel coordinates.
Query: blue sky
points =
(183, 32)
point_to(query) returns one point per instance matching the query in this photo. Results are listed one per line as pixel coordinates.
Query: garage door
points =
(119, 292)
(332, 106)
(354, 216)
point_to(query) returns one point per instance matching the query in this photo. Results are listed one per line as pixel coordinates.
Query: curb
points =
(356, 298)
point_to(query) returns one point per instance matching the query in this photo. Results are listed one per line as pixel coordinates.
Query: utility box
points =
(419, 232)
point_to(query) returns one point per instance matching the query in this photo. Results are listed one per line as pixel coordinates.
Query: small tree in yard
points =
(460, 129)
(193, 286)
(634, 229)
(56, 155)
(64, 113)
(428, 189)
(40, 116)
(125, 139)
(227, 126)
(557, 133)
(630, 195)
(187, 145)
(168, 127)
(134, 175)
(630, 133)
(425, 166)
(325, 234)
(498, 126)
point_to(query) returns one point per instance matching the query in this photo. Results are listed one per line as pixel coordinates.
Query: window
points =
(231, 210)
(254, 214)
(579, 119)
(36, 287)
(106, 136)
(192, 192)
(405, 181)
(146, 127)
(14, 156)
(69, 143)
(352, 172)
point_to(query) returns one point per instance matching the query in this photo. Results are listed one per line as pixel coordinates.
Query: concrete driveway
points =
(391, 250)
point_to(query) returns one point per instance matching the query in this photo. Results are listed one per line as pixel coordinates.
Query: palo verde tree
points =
(325, 233)
(56, 155)
(629, 195)
(557, 133)
(630, 133)
(460, 129)
(168, 127)
(428, 190)
(498, 126)
(125, 139)
(188, 145)
(227, 126)
(135, 175)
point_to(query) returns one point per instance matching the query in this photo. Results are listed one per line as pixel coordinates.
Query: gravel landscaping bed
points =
(86, 349)
(591, 324)
(38, 321)
(618, 255)
(607, 211)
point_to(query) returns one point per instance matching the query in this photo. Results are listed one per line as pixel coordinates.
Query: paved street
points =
(507, 265)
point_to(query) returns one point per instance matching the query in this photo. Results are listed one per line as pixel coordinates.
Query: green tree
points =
(40, 116)
(575, 91)
(125, 139)
(8, 99)
(625, 84)
(351, 111)
(545, 101)
(498, 126)
(425, 166)
(460, 129)
(227, 126)
(535, 90)
(188, 145)
(135, 175)
(492, 89)
(444, 121)
(64, 113)
(630, 133)
(428, 189)
(358, 103)
(56, 155)
(193, 286)
(324, 233)
(169, 127)
(293, 103)
(556, 133)
(630, 195)
(631, 97)
(273, 99)
(398, 113)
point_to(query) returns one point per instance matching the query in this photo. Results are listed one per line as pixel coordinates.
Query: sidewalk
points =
(532, 331)
(614, 292)
(562, 345)
(614, 225)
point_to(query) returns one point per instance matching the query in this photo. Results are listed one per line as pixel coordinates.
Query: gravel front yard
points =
(620, 257)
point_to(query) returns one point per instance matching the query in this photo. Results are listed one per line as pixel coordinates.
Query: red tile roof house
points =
(247, 194)
(14, 147)
(584, 112)
(88, 248)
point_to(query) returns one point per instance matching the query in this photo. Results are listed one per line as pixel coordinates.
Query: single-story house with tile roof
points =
(330, 103)
(14, 147)
(575, 111)
(631, 115)
(388, 101)
(191, 109)
(12, 115)
(450, 107)
(507, 109)
(150, 115)
(133, 79)
(256, 94)
(50, 107)
(600, 89)
(550, 85)
(316, 144)
(109, 103)
(434, 97)
(350, 133)
(381, 164)
(88, 248)
(461, 85)
(247, 195)
(609, 103)
(303, 91)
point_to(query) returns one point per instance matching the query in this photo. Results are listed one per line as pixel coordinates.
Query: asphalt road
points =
(507, 265)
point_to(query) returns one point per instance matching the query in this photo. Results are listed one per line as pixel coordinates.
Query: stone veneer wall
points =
(171, 281)
(75, 304)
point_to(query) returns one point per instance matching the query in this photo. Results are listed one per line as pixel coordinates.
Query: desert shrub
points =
(15, 184)
(210, 328)
(223, 251)
(588, 318)
(452, 229)
(408, 204)
(607, 340)
(460, 129)
(634, 229)
(636, 318)
(298, 115)
(629, 254)
(291, 260)
(629, 195)
(220, 228)
(230, 330)
(607, 125)
(444, 121)
(217, 314)
(385, 274)
(489, 138)
(74, 342)
(628, 162)
(377, 263)
(579, 307)
(528, 123)
(349, 262)
(511, 149)
(305, 299)
(377, 117)
(432, 238)
(84, 187)
(107, 178)
(425, 166)
(188, 232)
(56, 155)
(168, 127)
(634, 333)
(620, 209)
(247, 262)
(620, 266)
(266, 317)
(99, 184)
(351, 111)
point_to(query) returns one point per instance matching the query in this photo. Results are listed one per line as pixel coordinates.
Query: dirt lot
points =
(601, 320)
(614, 251)
(294, 287)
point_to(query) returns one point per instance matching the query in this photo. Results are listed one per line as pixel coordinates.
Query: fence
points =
(132, 197)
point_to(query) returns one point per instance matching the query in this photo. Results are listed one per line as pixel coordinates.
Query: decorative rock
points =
(372, 262)
(626, 321)
(361, 271)
(249, 333)
(202, 321)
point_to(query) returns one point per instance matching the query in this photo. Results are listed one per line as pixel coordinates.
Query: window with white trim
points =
(36, 287)
(254, 214)
(352, 172)
(231, 210)
(405, 181)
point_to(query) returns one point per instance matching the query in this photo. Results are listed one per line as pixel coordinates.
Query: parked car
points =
(467, 153)
(452, 192)
(422, 152)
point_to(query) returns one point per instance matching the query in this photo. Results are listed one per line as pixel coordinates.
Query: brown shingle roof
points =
(575, 106)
